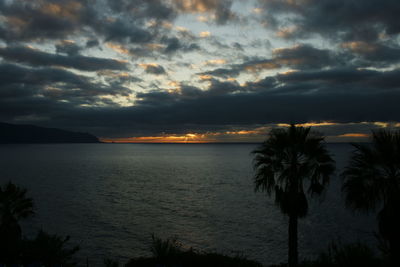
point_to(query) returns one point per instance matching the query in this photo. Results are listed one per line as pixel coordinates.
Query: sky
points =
(201, 70)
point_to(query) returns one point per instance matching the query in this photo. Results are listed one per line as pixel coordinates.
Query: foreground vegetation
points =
(169, 254)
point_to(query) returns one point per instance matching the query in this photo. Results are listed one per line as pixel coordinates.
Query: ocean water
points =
(110, 198)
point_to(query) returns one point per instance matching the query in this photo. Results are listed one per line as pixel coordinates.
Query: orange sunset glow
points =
(250, 135)
(187, 138)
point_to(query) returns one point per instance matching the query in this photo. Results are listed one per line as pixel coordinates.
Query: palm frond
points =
(289, 156)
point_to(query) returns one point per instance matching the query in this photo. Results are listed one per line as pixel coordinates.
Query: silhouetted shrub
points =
(48, 250)
(111, 263)
(170, 253)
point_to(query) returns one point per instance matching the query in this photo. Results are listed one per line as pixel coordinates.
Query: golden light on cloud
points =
(67, 42)
(354, 135)
(381, 124)
(174, 84)
(255, 134)
(359, 47)
(154, 46)
(243, 132)
(181, 29)
(112, 73)
(205, 77)
(257, 10)
(309, 124)
(147, 65)
(205, 34)
(215, 62)
(167, 25)
(16, 22)
(196, 6)
(118, 48)
(288, 72)
(51, 9)
(202, 18)
(262, 66)
(68, 9)
(186, 138)
(209, 137)
(286, 32)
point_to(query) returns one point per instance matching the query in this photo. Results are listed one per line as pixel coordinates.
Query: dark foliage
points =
(14, 206)
(48, 250)
(372, 181)
(169, 253)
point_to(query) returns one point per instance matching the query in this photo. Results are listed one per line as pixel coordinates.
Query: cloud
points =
(348, 20)
(175, 45)
(301, 56)
(153, 68)
(219, 61)
(335, 99)
(29, 20)
(119, 48)
(22, 86)
(49, 19)
(374, 52)
(68, 47)
(205, 34)
(304, 56)
(149, 9)
(36, 57)
(221, 9)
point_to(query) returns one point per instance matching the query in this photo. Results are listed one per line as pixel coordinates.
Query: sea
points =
(111, 198)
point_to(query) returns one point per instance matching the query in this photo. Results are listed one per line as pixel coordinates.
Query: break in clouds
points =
(225, 70)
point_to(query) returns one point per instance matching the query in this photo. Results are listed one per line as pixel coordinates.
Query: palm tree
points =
(372, 181)
(286, 162)
(14, 206)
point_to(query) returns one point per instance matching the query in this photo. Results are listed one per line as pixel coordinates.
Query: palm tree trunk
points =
(293, 253)
(394, 252)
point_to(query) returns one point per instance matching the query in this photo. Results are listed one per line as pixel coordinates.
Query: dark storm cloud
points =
(136, 22)
(156, 9)
(52, 19)
(240, 109)
(188, 92)
(22, 85)
(68, 47)
(14, 74)
(36, 57)
(349, 20)
(253, 65)
(115, 20)
(374, 52)
(121, 30)
(175, 45)
(40, 19)
(345, 80)
(154, 69)
(302, 56)
(92, 43)
(342, 95)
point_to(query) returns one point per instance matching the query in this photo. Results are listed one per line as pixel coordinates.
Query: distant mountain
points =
(13, 133)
